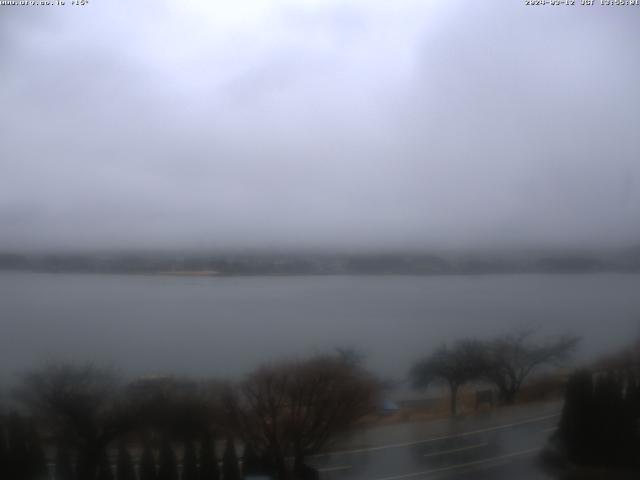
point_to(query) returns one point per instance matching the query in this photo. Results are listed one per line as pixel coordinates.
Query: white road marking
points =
(334, 469)
(477, 468)
(436, 439)
(462, 465)
(454, 450)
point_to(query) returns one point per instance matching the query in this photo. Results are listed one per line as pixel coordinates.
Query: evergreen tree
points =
(270, 467)
(632, 397)
(168, 466)
(104, 467)
(230, 469)
(18, 452)
(607, 403)
(37, 463)
(208, 460)
(189, 462)
(147, 464)
(4, 454)
(63, 468)
(251, 462)
(125, 468)
(597, 426)
(576, 425)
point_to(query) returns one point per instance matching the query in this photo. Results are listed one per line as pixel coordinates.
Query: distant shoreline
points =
(191, 273)
(417, 264)
(213, 274)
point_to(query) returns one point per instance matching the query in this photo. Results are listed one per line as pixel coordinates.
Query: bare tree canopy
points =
(295, 408)
(505, 361)
(511, 359)
(454, 366)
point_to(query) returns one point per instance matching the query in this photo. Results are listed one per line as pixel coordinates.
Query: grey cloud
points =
(376, 125)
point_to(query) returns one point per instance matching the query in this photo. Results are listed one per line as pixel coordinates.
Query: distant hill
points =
(321, 264)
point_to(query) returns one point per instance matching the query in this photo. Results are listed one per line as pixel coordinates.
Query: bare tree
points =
(258, 408)
(326, 395)
(454, 366)
(511, 359)
(296, 408)
(80, 405)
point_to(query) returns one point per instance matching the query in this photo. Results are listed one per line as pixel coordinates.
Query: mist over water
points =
(319, 124)
(224, 327)
(359, 215)
(360, 128)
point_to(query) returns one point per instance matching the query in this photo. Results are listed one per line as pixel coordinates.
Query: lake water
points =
(225, 326)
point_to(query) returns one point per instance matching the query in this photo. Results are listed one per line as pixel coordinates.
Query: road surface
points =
(503, 444)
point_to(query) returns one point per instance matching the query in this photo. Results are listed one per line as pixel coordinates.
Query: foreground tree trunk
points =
(88, 463)
(508, 397)
(454, 399)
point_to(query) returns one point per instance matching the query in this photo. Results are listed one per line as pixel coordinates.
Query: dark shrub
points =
(208, 460)
(64, 466)
(599, 424)
(168, 466)
(230, 470)
(147, 464)
(189, 462)
(125, 468)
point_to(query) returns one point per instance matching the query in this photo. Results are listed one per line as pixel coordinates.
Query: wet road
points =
(499, 445)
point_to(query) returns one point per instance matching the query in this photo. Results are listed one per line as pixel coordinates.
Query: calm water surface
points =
(225, 326)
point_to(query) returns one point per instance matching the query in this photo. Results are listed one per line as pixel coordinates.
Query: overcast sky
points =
(324, 124)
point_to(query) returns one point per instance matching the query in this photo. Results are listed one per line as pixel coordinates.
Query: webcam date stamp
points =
(43, 3)
(583, 3)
